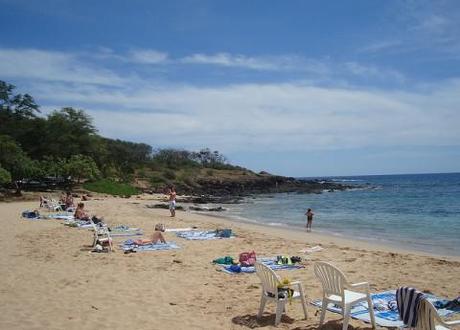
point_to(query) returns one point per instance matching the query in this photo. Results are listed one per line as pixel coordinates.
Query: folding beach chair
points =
(101, 235)
(52, 205)
(270, 285)
(335, 290)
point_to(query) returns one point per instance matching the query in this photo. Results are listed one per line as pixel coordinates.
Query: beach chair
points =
(429, 319)
(51, 205)
(102, 235)
(270, 285)
(336, 291)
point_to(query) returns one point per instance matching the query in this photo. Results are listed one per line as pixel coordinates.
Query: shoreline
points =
(325, 236)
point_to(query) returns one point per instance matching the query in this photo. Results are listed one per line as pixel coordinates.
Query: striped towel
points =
(408, 300)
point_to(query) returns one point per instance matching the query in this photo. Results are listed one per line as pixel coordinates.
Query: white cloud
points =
(271, 117)
(266, 116)
(378, 46)
(52, 66)
(424, 27)
(147, 56)
(269, 63)
(374, 72)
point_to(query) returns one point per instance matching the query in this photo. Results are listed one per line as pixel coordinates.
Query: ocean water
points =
(420, 212)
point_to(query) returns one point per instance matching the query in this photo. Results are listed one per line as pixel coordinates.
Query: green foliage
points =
(5, 176)
(21, 105)
(66, 143)
(174, 159)
(168, 174)
(107, 186)
(69, 132)
(125, 156)
(189, 181)
(80, 166)
(15, 161)
(158, 180)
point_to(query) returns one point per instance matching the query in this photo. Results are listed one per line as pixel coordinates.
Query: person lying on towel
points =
(157, 236)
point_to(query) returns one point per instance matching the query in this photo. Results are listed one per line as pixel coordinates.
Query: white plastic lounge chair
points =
(52, 205)
(428, 317)
(270, 284)
(102, 235)
(335, 290)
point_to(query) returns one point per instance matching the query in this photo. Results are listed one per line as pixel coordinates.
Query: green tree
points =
(5, 176)
(16, 162)
(22, 105)
(126, 156)
(69, 132)
(81, 167)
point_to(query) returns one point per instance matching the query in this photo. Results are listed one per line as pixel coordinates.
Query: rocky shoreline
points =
(219, 191)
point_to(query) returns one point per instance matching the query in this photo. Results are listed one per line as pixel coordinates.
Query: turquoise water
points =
(420, 212)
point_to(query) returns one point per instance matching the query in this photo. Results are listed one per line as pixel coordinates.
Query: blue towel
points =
(124, 230)
(61, 216)
(198, 235)
(129, 245)
(127, 233)
(270, 262)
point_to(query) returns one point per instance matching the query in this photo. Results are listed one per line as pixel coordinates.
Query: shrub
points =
(156, 179)
(171, 175)
(107, 186)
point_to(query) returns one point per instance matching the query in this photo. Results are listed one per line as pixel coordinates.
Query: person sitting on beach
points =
(43, 201)
(157, 236)
(81, 214)
(68, 202)
(62, 198)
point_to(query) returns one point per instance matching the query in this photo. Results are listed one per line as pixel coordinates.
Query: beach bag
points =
(247, 259)
(283, 260)
(30, 214)
(225, 233)
(227, 260)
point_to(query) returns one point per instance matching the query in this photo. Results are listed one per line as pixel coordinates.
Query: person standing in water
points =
(172, 201)
(309, 215)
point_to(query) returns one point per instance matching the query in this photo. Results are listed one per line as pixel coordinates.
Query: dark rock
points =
(164, 206)
(208, 209)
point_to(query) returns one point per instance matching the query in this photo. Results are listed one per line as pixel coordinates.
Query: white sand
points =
(49, 280)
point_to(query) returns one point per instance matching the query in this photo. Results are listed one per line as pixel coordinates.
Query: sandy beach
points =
(50, 280)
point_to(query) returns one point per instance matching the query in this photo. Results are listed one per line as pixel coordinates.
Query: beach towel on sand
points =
(78, 223)
(385, 309)
(61, 216)
(199, 235)
(270, 262)
(35, 215)
(123, 230)
(130, 245)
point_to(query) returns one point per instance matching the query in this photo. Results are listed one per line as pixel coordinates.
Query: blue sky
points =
(301, 88)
